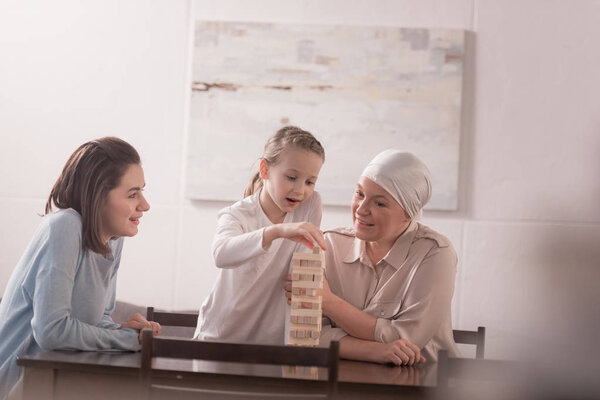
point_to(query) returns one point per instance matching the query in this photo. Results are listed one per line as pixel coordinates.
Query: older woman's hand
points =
(326, 294)
(398, 352)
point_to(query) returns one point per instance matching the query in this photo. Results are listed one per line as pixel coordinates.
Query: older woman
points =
(389, 279)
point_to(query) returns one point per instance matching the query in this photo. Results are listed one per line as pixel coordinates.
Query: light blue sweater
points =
(60, 296)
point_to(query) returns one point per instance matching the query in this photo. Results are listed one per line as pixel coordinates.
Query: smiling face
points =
(289, 182)
(377, 217)
(125, 205)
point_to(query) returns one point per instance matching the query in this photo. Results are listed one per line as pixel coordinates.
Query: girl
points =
(62, 291)
(390, 279)
(279, 203)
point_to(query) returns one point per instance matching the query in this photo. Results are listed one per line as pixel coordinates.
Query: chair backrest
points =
(240, 353)
(472, 337)
(171, 318)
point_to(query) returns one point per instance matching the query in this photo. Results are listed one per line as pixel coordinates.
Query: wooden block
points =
(304, 342)
(308, 270)
(306, 312)
(308, 284)
(305, 327)
(308, 299)
(308, 257)
(301, 298)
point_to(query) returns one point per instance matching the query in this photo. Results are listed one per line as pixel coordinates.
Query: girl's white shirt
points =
(247, 303)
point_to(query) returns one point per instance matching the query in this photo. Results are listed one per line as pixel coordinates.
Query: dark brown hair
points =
(286, 137)
(93, 170)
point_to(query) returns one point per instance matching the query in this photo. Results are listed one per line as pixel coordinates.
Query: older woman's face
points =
(375, 213)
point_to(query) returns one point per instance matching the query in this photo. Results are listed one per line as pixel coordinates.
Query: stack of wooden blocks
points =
(307, 276)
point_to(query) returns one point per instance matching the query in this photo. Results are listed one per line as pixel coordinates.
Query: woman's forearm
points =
(352, 320)
(352, 348)
(398, 352)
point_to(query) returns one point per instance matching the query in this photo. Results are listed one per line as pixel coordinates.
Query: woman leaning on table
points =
(389, 279)
(62, 292)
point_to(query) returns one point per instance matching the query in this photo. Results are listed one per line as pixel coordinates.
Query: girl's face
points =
(377, 217)
(125, 205)
(289, 182)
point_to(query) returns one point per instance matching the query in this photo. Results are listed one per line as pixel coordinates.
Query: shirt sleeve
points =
(107, 322)
(330, 333)
(52, 324)
(427, 302)
(232, 246)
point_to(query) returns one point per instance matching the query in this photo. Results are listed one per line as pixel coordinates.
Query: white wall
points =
(528, 226)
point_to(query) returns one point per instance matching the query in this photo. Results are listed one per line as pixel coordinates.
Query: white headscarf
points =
(404, 177)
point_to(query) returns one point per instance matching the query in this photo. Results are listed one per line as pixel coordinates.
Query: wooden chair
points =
(153, 347)
(472, 337)
(189, 320)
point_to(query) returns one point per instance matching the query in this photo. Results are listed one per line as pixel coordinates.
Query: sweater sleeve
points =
(52, 324)
(107, 322)
(232, 246)
(427, 300)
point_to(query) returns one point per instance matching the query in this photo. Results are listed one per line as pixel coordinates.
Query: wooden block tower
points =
(307, 276)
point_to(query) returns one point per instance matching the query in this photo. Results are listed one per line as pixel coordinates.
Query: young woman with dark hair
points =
(62, 291)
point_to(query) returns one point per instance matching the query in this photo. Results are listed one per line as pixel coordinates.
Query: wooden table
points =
(65, 375)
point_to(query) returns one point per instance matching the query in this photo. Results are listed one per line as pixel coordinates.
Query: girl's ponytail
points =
(254, 184)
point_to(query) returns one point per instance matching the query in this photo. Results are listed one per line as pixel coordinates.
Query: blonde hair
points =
(284, 138)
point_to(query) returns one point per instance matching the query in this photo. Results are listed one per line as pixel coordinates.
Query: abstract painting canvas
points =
(359, 90)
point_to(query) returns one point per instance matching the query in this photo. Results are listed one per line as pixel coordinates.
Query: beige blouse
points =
(409, 291)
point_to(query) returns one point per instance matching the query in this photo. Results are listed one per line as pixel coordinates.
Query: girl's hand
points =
(300, 232)
(398, 352)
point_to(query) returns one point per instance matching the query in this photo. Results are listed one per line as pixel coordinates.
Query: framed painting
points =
(359, 90)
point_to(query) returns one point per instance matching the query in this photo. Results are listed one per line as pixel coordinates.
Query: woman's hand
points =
(138, 322)
(398, 352)
(300, 232)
